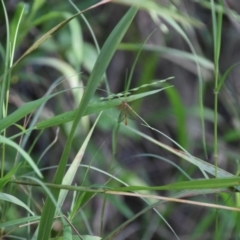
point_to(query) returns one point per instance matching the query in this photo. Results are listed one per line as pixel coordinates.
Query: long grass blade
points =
(100, 67)
(24, 154)
(93, 107)
(14, 200)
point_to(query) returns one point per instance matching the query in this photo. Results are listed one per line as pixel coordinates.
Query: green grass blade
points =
(170, 53)
(23, 153)
(180, 115)
(8, 176)
(50, 33)
(14, 200)
(99, 69)
(67, 233)
(116, 231)
(75, 237)
(162, 10)
(69, 73)
(199, 184)
(5, 79)
(44, 38)
(36, 5)
(23, 111)
(20, 221)
(187, 185)
(72, 170)
(203, 165)
(224, 77)
(94, 107)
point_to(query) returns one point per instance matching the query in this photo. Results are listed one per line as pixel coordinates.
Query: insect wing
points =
(125, 113)
(121, 116)
(129, 113)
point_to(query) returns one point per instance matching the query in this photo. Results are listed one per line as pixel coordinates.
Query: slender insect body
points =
(125, 112)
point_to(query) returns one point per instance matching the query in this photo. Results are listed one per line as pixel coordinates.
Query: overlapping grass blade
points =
(22, 112)
(14, 200)
(4, 180)
(100, 67)
(19, 221)
(93, 107)
(163, 11)
(70, 174)
(24, 154)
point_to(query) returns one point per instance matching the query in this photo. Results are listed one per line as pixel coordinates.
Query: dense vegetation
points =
(120, 121)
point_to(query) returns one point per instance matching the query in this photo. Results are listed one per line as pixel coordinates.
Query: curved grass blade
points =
(23, 153)
(4, 180)
(104, 58)
(224, 77)
(72, 170)
(52, 31)
(160, 9)
(129, 92)
(14, 200)
(23, 111)
(203, 165)
(171, 54)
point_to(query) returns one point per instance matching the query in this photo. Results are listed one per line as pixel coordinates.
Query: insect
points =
(125, 112)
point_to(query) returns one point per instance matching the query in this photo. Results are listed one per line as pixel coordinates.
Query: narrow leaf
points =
(93, 107)
(8, 176)
(14, 200)
(99, 69)
(23, 153)
(22, 111)
(70, 174)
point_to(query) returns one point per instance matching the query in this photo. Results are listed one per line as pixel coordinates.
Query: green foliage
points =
(68, 163)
